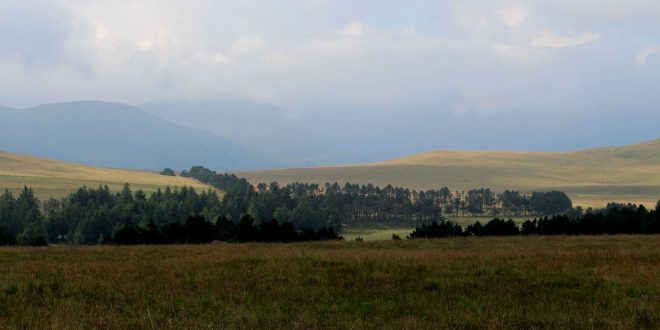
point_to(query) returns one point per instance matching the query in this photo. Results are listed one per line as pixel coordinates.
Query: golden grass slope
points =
(52, 178)
(592, 177)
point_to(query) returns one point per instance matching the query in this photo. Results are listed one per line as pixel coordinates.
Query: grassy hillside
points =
(468, 283)
(592, 177)
(51, 178)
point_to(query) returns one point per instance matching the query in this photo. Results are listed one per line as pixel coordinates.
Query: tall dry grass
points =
(497, 283)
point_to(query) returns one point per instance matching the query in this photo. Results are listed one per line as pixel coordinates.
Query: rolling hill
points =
(592, 177)
(116, 135)
(52, 178)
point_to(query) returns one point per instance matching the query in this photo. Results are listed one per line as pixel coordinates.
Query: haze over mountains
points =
(116, 135)
(247, 136)
(261, 127)
(382, 134)
(361, 85)
(239, 135)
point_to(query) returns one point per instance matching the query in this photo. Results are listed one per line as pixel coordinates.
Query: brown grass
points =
(498, 283)
(52, 178)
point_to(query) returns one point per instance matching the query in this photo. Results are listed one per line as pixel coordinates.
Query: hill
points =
(116, 135)
(51, 178)
(592, 177)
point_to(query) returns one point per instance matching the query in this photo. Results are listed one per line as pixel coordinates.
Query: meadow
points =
(379, 232)
(591, 177)
(597, 282)
(52, 178)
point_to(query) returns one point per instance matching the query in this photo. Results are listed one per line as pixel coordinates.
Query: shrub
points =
(6, 237)
(168, 172)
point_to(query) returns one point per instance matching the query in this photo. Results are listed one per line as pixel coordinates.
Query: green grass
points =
(51, 178)
(497, 283)
(374, 232)
(591, 177)
(381, 232)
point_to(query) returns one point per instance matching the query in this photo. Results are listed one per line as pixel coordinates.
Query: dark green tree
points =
(168, 172)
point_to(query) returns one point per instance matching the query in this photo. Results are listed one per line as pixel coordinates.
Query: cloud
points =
(478, 55)
(353, 29)
(314, 3)
(207, 59)
(247, 44)
(34, 33)
(513, 17)
(554, 40)
(643, 56)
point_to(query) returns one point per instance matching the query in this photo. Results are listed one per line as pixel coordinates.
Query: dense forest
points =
(614, 219)
(92, 216)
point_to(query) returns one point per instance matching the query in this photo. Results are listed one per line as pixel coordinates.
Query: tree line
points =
(91, 216)
(96, 216)
(196, 230)
(333, 204)
(614, 219)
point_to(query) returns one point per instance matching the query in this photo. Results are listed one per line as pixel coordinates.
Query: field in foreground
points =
(591, 177)
(52, 178)
(519, 282)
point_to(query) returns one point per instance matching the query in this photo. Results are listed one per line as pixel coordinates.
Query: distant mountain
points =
(592, 177)
(258, 126)
(379, 134)
(117, 135)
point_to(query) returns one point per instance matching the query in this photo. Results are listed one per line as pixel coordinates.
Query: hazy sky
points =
(453, 56)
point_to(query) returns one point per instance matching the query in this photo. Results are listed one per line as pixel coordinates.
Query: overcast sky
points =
(477, 56)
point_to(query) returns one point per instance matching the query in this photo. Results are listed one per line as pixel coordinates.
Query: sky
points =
(456, 57)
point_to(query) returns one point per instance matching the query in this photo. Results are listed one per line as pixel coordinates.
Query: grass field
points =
(51, 178)
(375, 232)
(591, 177)
(497, 283)
(380, 232)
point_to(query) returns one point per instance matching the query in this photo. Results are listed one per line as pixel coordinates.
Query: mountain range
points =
(231, 135)
(261, 127)
(117, 135)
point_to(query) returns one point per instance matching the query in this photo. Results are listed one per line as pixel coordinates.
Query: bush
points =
(476, 229)
(550, 203)
(39, 241)
(168, 172)
(6, 237)
(444, 228)
(498, 227)
(34, 234)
